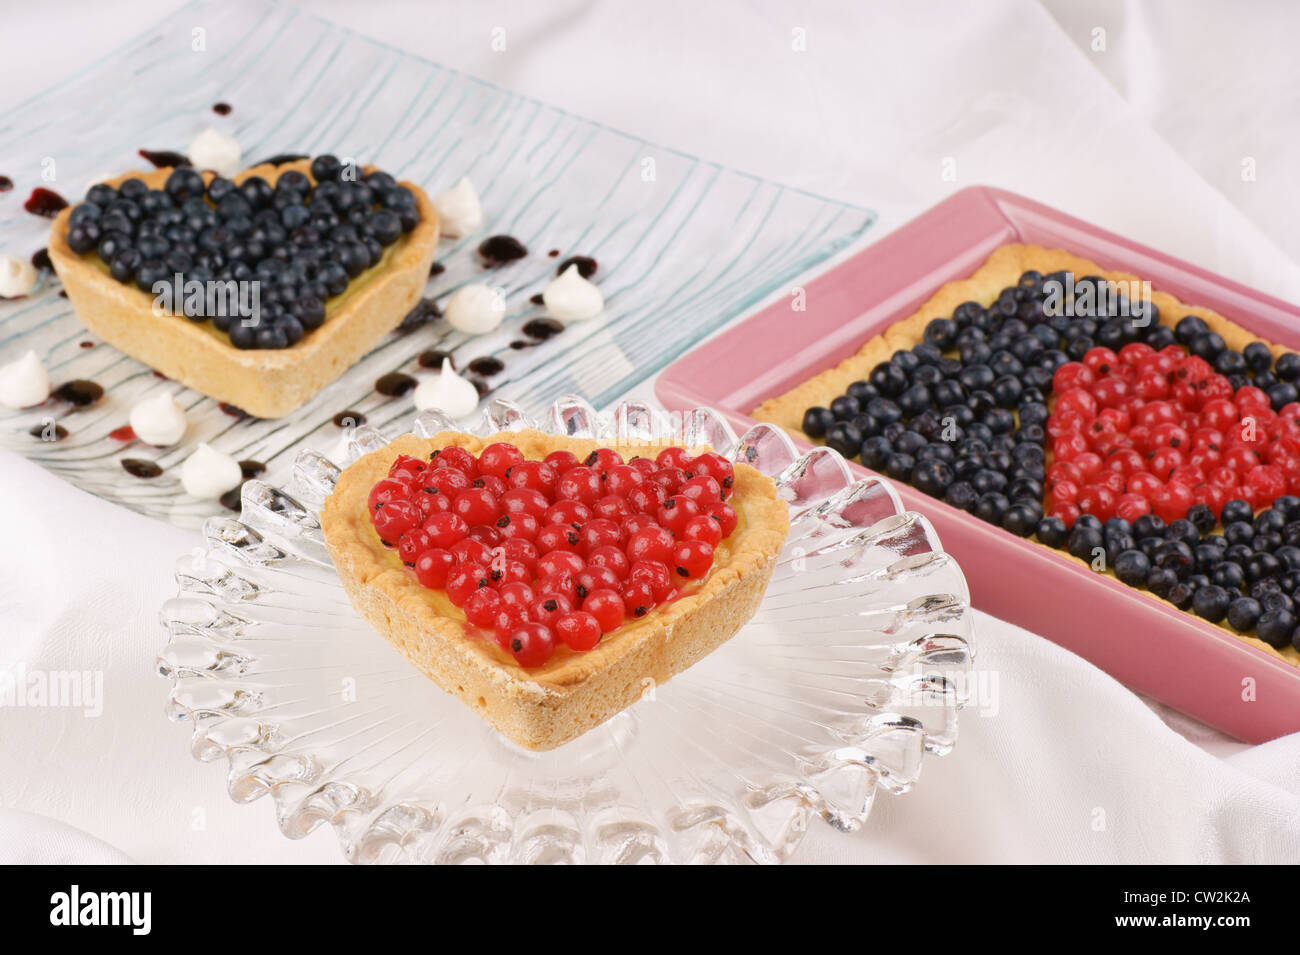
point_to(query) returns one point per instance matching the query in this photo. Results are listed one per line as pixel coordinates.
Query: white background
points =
(1144, 127)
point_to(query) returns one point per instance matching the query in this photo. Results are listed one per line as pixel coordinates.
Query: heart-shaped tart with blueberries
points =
(257, 291)
(1076, 406)
(549, 582)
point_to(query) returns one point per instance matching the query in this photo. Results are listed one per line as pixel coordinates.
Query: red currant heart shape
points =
(1146, 431)
(560, 551)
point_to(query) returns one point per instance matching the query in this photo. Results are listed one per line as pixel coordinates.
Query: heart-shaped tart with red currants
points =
(545, 581)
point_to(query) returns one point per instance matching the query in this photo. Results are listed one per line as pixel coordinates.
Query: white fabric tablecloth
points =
(1127, 127)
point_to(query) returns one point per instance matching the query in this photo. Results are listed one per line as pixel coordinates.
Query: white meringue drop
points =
(159, 420)
(475, 308)
(459, 211)
(207, 473)
(571, 298)
(213, 149)
(24, 382)
(447, 392)
(17, 276)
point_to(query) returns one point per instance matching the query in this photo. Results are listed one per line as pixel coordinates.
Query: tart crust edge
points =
(546, 707)
(1004, 267)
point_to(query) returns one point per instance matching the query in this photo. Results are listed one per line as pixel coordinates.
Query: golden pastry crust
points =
(1003, 268)
(264, 383)
(547, 706)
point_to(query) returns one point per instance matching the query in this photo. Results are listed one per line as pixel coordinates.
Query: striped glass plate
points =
(682, 244)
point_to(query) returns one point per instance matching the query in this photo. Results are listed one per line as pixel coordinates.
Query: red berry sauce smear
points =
(558, 552)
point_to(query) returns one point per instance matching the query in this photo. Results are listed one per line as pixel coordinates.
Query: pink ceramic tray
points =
(1139, 639)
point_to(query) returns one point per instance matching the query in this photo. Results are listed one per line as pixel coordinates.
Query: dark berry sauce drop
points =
(41, 259)
(585, 263)
(554, 253)
(436, 269)
(542, 328)
(519, 344)
(433, 358)
(251, 469)
(482, 386)
(349, 419)
(395, 384)
(537, 299)
(279, 159)
(45, 202)
(87, 344)
(234, 412)
(487, 366)
(141, 468)
(233, 499)
(79, 393)
(222, 109)
(425, 311)
(57, 433)
(125, 434)
(6, 183)
(500, 250)
(164, 158)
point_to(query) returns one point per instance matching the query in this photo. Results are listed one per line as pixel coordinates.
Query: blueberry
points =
(1052, 532)
(1161, 581)
(845, 408)
(1275, 628)
(816, 421)
(844, 438)
(309, 311)
(1227, 574)
(1229, 362)
(1207, 345)
(1236, 510)
(1288, 367)
(1243, 613)
(916, 399)
(183, 183)
(385, 226)
(126, 264)
(1282, 394)
(1084, 541)
(888, 379)
(1211, 602)
(1182, 594)
(1176, 556)
(1022, 517)
(1189, 328)
(1132, 567)
(910, 443)
(1258, 356)
(1183, 530)
(83, 238)
(992, 507)
(932, 477)
(899, 466)
(326, 169)
(961, 495)
(101, 194)
(1149, 525)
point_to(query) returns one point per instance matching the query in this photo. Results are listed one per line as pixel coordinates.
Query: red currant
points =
(532, 644)
(607, 607)
(577, 630)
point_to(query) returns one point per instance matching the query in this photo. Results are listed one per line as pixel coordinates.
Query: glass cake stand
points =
(851, 673)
